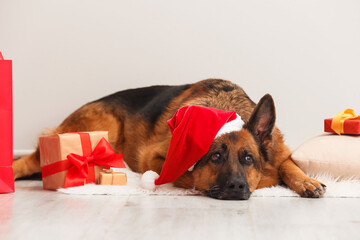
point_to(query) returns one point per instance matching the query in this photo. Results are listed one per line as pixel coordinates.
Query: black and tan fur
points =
(236, 163)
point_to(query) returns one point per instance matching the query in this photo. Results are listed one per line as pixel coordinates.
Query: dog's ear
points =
(262, 120)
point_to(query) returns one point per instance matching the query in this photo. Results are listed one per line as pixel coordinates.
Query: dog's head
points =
(232, 168)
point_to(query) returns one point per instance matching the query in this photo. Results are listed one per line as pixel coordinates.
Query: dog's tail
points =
(90, 117)
(30, 164)
(27, 165)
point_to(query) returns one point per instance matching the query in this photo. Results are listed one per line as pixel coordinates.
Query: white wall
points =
(66, 53)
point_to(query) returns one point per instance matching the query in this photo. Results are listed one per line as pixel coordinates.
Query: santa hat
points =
(193, 129)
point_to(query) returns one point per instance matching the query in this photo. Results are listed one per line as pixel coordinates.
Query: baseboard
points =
(18, 153)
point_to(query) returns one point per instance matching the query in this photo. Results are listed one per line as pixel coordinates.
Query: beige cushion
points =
(337, 156)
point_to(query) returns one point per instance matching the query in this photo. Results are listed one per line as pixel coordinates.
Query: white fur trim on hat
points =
(191, 168)
(232, 126)
(148, 180)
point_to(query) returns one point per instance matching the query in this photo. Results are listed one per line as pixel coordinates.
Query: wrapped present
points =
(109, 177)
(6, 137)
(345, 122)
(74, 159)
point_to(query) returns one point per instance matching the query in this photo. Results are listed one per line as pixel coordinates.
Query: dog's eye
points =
(247, 159)
(215, 157)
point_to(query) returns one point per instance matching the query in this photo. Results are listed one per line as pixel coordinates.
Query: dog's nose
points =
(236, 184)
(237, 188)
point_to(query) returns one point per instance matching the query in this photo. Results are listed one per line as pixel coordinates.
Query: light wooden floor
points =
(33, 213)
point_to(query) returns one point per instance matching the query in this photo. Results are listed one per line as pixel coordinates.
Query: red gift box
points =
(74, 159)
(345, 122)
(6, 137)
(351, 126)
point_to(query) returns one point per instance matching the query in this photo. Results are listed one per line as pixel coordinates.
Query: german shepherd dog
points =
(236, 164)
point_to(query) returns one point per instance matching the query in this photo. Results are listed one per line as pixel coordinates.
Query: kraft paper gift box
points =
(74, 159)
(109, 177)
(6, 137)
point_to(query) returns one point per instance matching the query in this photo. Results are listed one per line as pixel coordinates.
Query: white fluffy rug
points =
(336, 188)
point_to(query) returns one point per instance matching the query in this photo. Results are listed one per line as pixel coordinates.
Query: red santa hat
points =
(193, 129)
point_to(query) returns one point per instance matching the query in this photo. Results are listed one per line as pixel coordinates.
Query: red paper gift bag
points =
(6, 141)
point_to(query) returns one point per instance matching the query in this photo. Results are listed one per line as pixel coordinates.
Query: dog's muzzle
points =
(235, 188)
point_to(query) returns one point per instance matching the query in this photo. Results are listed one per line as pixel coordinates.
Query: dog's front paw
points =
(311, 188)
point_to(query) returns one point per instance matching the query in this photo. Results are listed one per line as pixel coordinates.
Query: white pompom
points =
(148, 180)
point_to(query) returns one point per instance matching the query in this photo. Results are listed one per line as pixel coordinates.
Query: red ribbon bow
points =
(83, 166)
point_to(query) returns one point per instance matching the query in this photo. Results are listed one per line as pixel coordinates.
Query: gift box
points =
(345, 122)
(6, 137)
(351, 126)
(74, 159)
(109, 177)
